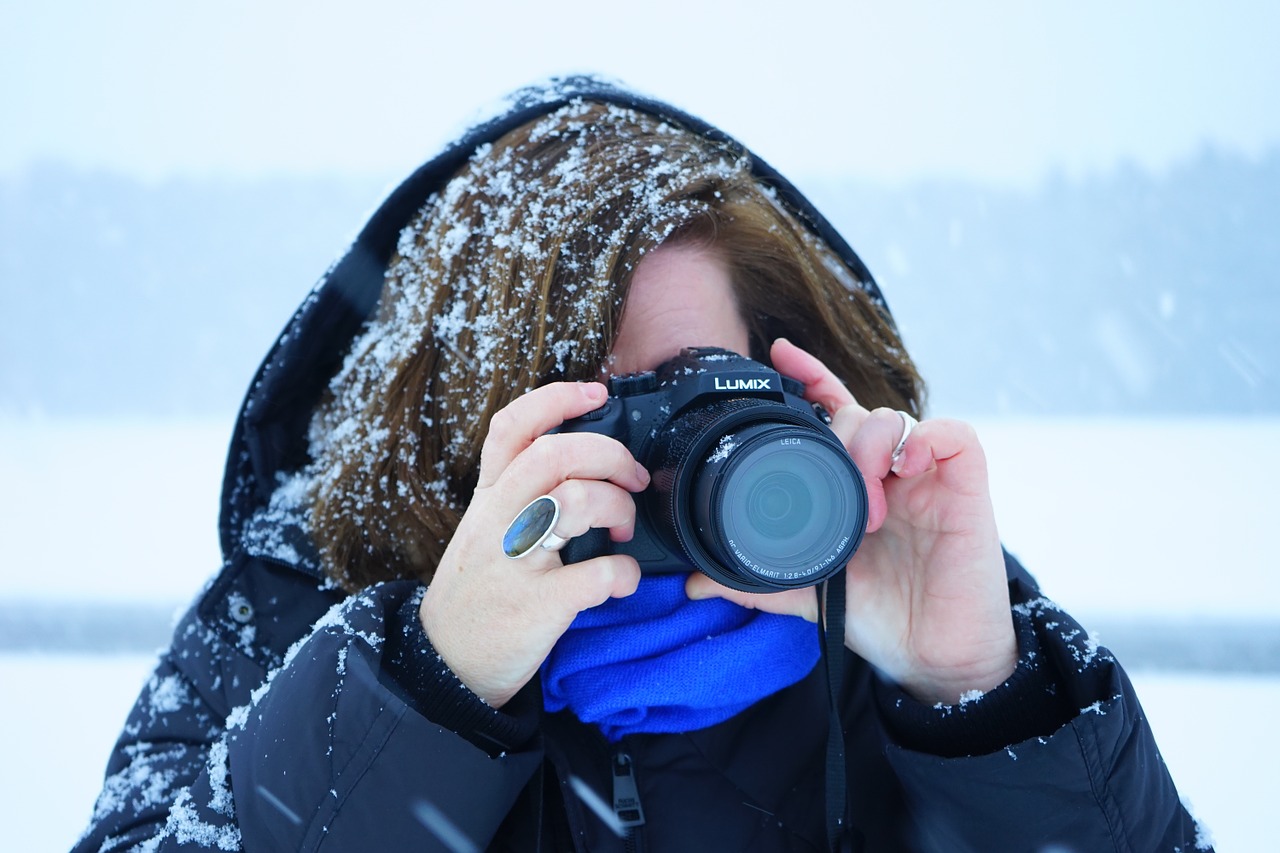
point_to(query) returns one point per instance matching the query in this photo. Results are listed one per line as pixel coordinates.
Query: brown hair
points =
(514, 275)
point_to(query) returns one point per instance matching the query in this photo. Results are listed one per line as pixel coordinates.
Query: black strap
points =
(833, 608)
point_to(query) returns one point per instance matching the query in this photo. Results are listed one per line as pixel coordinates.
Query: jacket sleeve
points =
(1091, 778)
(325, 748)
(331, 756)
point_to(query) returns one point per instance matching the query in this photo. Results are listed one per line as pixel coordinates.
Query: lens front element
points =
(769, 508)
(780, 504)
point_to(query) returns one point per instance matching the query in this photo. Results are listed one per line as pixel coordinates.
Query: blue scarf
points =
(657, 662)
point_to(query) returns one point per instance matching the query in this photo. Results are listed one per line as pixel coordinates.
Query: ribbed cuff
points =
(435, 692)
(1029, 704)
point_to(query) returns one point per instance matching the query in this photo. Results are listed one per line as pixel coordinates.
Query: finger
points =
(846, 422)
(587, 504)
(788, 602)
(518, 424)
(552, 459)
(873, 445)
(949, 446)
(593, 582)
(872, 449)
(820, 384)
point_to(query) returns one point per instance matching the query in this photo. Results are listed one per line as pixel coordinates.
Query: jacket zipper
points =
(626, 801)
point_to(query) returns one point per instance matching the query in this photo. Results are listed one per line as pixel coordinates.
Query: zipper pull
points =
(626, 797)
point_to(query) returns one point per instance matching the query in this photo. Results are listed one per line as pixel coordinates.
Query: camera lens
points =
(774, 514)
(779, 505)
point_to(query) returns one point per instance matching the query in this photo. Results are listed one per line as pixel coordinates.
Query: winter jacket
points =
(288, 715)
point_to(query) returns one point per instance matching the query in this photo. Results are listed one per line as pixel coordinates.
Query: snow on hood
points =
(270, 441)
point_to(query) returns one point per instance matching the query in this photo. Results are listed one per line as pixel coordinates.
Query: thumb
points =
(789, 602)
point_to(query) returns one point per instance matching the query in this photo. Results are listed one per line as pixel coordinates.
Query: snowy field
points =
(1161, 523)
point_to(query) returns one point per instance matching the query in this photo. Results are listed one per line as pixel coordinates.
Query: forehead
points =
(679, 296)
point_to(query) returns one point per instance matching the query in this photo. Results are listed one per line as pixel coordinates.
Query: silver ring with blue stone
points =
(533, 527)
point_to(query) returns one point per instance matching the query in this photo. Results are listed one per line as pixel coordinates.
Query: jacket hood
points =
(270, 438)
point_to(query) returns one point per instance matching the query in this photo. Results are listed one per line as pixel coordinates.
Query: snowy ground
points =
(1126, 523)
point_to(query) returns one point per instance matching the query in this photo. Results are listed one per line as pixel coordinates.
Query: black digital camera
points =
(750, 485)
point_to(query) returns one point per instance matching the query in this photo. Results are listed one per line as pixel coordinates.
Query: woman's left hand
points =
(928, 602)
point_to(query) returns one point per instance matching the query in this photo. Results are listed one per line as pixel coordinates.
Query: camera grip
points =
(593, 543)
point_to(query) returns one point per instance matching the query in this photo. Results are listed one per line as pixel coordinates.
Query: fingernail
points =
(642, 474)
(594, 391)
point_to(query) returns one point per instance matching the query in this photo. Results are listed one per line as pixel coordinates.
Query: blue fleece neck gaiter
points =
(657, 662)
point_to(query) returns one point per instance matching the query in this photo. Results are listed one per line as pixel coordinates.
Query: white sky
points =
(988, 90)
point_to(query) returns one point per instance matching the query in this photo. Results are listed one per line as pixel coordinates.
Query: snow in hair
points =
(508, 277)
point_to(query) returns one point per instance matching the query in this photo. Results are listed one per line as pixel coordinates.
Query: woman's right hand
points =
(492, 619)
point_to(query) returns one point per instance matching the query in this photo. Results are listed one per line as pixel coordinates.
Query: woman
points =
(457, 699)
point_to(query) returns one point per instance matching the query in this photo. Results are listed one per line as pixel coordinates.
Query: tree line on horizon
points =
(1122, 294)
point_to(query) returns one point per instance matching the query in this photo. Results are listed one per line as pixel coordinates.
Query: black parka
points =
(287, 715)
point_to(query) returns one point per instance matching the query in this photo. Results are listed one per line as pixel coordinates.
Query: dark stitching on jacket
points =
(1098, 783)
(336, 802)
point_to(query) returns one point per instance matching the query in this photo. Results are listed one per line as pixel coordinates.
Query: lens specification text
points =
(748, 563)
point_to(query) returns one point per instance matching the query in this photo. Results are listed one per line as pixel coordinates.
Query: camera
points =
(749, 484)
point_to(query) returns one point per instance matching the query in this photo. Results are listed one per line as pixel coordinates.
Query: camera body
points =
(749, 484)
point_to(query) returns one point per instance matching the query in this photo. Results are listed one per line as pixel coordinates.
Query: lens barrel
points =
(779, 504)
(760, 496)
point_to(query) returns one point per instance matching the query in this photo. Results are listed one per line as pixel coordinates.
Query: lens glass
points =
(778, 506)
(781, 504)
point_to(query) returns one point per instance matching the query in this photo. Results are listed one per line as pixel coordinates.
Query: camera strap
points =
(833, 613)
